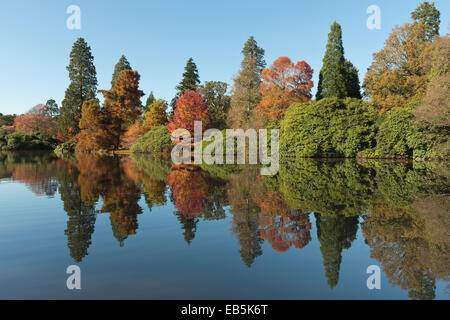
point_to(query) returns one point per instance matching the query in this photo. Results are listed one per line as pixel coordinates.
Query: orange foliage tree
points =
(190, 106)
(122, 105)
(283, 84)
(134, 132)
(35, 120)
(93, 134)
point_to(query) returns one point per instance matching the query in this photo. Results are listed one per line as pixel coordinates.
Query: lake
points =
(141, 228)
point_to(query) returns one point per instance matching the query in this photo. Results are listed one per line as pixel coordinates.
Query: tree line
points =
(400, 110)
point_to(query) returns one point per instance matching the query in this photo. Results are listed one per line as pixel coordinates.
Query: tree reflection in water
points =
(403, 207)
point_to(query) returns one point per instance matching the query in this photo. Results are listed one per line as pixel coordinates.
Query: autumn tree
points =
(190, 107)
(338, 77)
(218, 101)
(134, 132)
(246, 94)
(93, 132)
(82, 87)
(434, 108)
(398, 74)
(283, 84)
(156, 115)
(122, 105)
(150, 99)
(37, 119)
(430, 16)
(122, 64)
(189, 81)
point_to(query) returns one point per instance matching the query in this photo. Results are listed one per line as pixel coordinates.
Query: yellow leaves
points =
(398, 73)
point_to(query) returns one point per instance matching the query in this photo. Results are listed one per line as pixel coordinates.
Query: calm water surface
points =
(141, 228)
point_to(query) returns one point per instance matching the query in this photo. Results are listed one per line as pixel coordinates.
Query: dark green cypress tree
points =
(83, 83)
(122, 64)
(430, 16)
(352, 81)
(338, 77)
(190, 81)
(333, 68)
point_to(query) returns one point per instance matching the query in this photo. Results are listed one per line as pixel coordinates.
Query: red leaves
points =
(191, 106)
(189, 189)
(35, 120)
(283, 84)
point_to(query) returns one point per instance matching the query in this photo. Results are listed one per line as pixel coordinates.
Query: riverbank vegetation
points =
(401, 110)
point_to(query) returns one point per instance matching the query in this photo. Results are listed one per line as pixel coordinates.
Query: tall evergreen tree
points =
(246, 94)
(83, 85)
(190, 81)
(151, 98)
(122, 64)
(333, 67)
(338, 77)
(430, 16)
(218, 102)
(352, 81)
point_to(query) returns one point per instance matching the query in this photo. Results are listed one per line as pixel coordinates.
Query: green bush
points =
(21, 141)
(65, 149)
(156, 140)
(329, 127)
(401, 136)
(392, 137)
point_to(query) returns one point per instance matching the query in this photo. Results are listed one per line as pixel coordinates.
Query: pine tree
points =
(122, 64)
(430, 16)
(83, 84)
(246, 94)
(190, 81)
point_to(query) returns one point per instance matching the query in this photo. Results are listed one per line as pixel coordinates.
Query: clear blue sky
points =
(159, 36)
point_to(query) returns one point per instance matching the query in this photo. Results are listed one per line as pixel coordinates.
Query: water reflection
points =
(402, 208)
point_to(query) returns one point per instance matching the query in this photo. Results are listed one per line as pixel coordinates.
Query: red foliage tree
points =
(36, 120)
(190, 106)
(189, 187)
(283, 84)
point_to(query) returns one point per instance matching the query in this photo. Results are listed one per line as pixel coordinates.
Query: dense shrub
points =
(400, 135)
(156, 140)
(21, 141)
(329, 127)
(393, 133)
